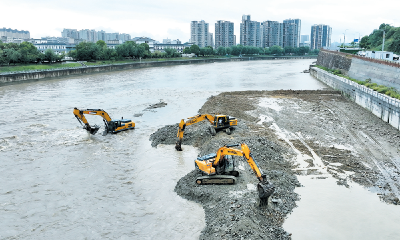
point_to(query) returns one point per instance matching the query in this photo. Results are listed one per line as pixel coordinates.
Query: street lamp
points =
(344, 39)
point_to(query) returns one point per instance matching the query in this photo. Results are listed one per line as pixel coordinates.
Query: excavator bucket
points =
(178, 146)
(93, 129)
(265, 190)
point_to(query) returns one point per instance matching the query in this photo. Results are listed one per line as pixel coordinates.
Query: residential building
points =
(250, 32)
(293, 32)
(289, 35)
(320, 36)
(177, 41)
(304, 38)
(14, 33)
(124, 37)
(224, 34)
(271, 32)
(92, 36)
(101, 35)
(211, 40)
(199, 33)
(70, 33)
(112, 36)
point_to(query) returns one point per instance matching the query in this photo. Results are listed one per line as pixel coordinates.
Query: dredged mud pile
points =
(329, 134)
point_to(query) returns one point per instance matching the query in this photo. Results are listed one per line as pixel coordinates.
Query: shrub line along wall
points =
(36, 75)
(383, 106)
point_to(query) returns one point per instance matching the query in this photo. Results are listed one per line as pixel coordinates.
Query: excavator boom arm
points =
(245, 152)
(80, 115)
(190, 121)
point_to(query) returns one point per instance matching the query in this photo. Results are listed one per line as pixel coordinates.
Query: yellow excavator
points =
(219, 168)
(111, 126)
(218, 122)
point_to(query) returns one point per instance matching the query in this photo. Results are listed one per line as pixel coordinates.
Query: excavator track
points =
(216, 179)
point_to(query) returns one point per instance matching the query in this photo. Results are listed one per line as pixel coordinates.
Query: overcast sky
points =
(171, 19)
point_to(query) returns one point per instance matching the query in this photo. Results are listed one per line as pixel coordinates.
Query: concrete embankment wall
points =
(35, 75)
(361, 68)
(334, 60)
(381, 74)
(383, 106)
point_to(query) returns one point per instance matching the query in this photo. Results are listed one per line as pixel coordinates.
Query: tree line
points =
(248, 50)
(26, 52)
(375, 39)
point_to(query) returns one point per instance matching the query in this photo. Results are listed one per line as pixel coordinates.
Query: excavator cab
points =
(220, 121)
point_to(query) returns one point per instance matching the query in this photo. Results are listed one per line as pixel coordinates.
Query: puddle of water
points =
(329, 211)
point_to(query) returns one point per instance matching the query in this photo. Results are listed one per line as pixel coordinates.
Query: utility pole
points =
(344, 39)
(383, 41)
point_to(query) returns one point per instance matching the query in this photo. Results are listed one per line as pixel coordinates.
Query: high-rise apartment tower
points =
(224, 34)
(320, 36)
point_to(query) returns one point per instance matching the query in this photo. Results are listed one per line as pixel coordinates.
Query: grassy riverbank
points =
(35, 67)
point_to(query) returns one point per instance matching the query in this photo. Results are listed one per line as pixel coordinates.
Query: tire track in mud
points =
(374, 153)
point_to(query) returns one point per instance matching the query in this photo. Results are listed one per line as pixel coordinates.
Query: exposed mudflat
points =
(289, 133)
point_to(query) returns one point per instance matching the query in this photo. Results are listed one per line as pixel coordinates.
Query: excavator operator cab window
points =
(221, 121)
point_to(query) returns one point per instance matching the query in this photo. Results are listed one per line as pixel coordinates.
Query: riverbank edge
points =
(382, 106)
(46, 74)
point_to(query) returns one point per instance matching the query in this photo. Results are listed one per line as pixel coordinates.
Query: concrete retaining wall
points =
(378, 73)
(385, 107)
(35, 75)
(334, 60)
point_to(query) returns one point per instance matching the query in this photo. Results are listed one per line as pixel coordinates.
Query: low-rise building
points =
(383, 55)
(149, 41)
(161, 46)
(58, 48)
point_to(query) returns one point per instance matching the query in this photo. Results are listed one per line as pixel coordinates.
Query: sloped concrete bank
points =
(36, 75)
(383, 106)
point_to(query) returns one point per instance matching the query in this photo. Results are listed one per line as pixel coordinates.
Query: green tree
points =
(221, 51)
(228, 50)
(101, 44)
(276, 50)
(289, 49)
(146, 46)
(195, 49)
(364, 43)
(169, 52)
(186, 50)
(50, 56)
(140, 52)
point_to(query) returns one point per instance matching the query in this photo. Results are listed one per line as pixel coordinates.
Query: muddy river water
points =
(56, 181)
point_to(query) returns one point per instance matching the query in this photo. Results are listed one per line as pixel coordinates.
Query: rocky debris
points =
(196, 134)
(348, 140)
(156, 105)
(233, 211)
